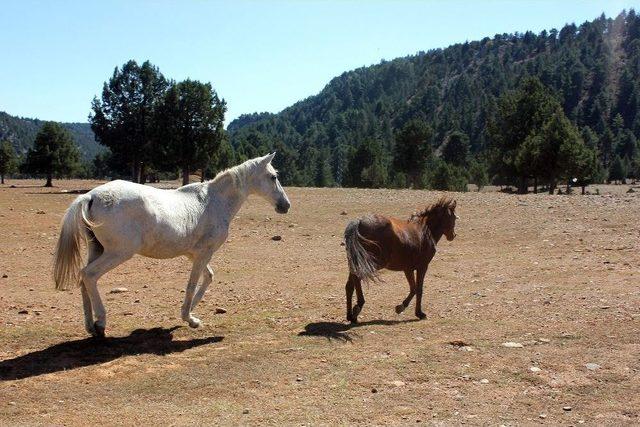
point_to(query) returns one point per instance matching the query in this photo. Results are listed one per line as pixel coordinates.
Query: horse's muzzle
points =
(283, 207)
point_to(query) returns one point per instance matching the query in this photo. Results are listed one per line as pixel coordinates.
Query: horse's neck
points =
(434, 227)
(229, 193)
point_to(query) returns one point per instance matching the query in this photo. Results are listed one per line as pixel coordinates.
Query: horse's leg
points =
(349, 291)
(90, 276)
(206, 281)
(95, 250)
(358, 308)
(419, 286)
(199, 264)
(412, 291)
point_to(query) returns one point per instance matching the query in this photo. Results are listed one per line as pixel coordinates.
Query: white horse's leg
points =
(199, 264)
(206, 281)
(95, 250)
(90, 275)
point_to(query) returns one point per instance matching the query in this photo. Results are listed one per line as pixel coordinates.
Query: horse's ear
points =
(453, 205)
(267, 159)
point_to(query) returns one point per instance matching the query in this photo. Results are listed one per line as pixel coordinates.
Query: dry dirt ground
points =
(557, 274)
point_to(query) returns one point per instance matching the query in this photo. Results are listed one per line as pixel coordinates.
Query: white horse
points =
(120, 219)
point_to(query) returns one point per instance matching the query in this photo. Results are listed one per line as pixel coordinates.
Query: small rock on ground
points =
(118, 290)
(276, 238)
(592, 366)
(512, 344)
(221, 310)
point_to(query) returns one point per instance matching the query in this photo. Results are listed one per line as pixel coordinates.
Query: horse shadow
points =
(340, 331)
(92, 351)
(56, 192)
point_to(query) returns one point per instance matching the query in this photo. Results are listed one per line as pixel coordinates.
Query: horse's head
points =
(449, 220)
(265, 183)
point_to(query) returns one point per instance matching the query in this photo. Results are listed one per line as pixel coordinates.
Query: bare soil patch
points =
(556, 274)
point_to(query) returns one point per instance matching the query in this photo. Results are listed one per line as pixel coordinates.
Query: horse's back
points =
(119, 191)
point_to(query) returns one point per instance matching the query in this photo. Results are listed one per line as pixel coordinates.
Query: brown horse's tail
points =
(361, 262)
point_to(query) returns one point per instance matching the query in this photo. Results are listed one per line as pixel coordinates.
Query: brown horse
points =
(375, 242)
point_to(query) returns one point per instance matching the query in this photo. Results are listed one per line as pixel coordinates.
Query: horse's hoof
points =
(400, 308)
(349, 318)
(90, 328)
(353, 320)
(356, 311)
(98, 330)
(194, 322)
(421, 315)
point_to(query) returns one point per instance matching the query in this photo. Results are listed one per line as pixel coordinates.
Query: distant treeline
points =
(354, 132)
(518, 109)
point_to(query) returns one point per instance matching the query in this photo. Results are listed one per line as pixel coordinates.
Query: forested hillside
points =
(21, 132)
(351, 127)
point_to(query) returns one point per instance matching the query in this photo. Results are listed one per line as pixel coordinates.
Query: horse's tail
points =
(68, 258)
(361, 262)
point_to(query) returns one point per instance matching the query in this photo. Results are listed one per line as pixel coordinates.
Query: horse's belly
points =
(160, 248)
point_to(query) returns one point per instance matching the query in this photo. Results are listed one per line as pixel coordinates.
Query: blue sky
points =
(259, 55)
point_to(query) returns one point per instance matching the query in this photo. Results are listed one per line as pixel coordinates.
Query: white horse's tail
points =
(68, 258)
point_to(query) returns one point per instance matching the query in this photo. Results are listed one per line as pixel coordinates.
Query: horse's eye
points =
(273, 177)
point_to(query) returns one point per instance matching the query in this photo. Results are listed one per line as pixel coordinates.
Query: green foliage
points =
(617, 170)
(8, 159)
(412, 150)
(189, 126)
(498, 91)
(514, 129)
(478, 174)
(21, 132)
(446, 177)
(122, 119)
(53, 153)
(223, 158)
(366, 168)
(456, 149)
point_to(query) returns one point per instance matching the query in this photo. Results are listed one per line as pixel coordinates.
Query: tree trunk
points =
(185, 174)
(134, 172)
(568, 186)
(535, 185)
(202, 175)
(583, 189)
(2, 179)
(49, 179)
(552, 186)
(522, 188)
(138, 172)
(143, 173)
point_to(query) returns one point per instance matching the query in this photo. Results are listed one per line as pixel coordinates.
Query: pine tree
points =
(520, 115)
(456, 149)
(412, 150)
(446, 177)
(53, 153)
(8, 159)
(366, 167)
(189, 123)
(617, 171)
(122, 119)
(478, 174)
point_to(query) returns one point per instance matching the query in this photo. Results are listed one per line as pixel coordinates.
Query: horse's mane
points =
(433, 210)
(237, 174)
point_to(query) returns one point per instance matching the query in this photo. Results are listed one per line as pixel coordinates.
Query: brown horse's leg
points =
(419, 285)
(358, 308)
(349, 290)
(412, 291)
